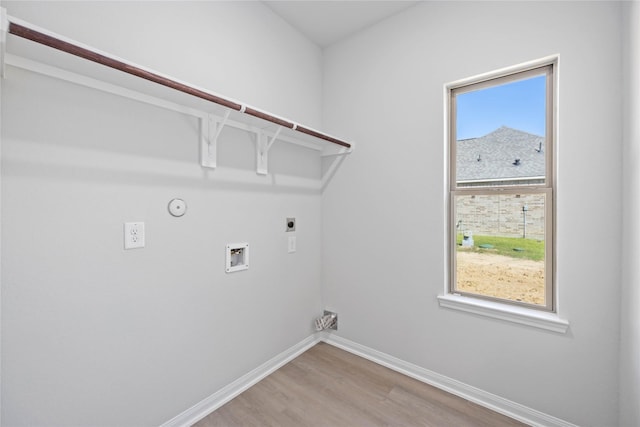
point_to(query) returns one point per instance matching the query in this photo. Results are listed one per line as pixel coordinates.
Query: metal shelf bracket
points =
(263, 145)
(210, 129)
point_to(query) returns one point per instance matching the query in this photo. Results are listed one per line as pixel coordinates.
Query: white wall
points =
(384, 224)
(630, 310)
(95, 335)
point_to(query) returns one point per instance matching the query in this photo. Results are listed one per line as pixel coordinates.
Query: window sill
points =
(496, 310)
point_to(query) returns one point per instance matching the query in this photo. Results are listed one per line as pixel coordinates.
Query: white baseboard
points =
(473, 394)
(225, 394)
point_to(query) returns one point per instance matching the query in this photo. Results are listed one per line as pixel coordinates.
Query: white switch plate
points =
(292, 244)
(133, 235)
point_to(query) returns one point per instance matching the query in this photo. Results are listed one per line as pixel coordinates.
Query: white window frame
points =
(544, 316)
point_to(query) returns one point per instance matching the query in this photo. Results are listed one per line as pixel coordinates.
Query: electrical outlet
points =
(292, 244)
(133, 235)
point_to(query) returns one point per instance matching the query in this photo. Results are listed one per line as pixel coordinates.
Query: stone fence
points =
(501, 215)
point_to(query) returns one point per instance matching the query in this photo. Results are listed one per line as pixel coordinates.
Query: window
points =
(501, 187)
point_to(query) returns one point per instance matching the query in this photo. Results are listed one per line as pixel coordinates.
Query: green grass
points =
(532, 249)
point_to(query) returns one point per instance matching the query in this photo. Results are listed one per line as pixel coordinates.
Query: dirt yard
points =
(501, 276)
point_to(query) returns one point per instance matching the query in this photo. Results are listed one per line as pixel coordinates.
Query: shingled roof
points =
(505, 153)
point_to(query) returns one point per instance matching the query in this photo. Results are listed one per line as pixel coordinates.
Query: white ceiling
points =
(326, 22)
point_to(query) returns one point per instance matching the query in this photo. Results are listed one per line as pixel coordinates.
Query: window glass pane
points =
(500, 246)
(500, 134)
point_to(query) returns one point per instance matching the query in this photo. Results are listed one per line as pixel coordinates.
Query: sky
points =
(518, 105)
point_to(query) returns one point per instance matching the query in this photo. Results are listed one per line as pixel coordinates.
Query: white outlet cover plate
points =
(292, 244)
(133, 235)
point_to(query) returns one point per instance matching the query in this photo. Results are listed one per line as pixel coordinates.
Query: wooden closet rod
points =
(82, 52)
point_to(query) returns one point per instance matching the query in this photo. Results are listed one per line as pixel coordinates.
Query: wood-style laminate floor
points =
(326, 386)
